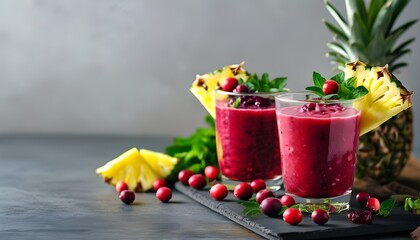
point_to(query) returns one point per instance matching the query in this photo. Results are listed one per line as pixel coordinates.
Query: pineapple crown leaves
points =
(346, 90)
(368, 33)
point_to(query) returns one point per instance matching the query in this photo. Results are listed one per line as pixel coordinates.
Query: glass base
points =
(272, 184)
(331, 205)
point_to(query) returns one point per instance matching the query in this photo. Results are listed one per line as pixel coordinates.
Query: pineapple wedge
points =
(204, 85)
(139, 169)
(386, 98)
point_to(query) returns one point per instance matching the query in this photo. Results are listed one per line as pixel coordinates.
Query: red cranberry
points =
(184, 175)
(287, 200)
(373, 205)
(320, 216)
(292, 216)
(243, 191)
(257, 185)
(164, 194)
(218, 192)
(330, 87)
(362, 198)
(263, 194)
(240, 89)
(229, 84)
(158, 183)
(360, 217)
(271, 206)
(127, 196)
(121, 186)
(197, 181)
(211, 172)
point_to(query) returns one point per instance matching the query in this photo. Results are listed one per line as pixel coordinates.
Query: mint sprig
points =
(264, 84)
(386, 207)
(346, 91)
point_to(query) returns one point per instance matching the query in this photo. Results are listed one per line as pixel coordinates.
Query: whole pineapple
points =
(368, 33)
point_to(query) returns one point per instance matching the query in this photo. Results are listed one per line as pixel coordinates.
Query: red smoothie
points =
(247, 142)
(318, 145)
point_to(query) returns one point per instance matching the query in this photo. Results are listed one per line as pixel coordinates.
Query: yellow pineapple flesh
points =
(138, 169)
(204, 85)
(386, 98)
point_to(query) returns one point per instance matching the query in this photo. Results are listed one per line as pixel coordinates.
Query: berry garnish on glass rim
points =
(336, 88)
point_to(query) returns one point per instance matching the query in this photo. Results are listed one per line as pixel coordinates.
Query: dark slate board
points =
(275, 228)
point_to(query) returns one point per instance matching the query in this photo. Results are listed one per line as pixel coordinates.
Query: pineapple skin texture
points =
(138, 169)
(204, 86)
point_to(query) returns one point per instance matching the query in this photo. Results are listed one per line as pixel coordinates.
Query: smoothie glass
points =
(318, 145)
(246, 138)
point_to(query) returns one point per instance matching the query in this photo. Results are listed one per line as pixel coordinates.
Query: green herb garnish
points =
(264, 84)
(346, 87)
(411, 205)
(386, 207)
(194, 152)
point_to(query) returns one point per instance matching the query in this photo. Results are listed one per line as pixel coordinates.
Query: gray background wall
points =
(125, 67)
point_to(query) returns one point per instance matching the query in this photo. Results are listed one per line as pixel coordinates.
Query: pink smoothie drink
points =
(318, 145)
(247, 142)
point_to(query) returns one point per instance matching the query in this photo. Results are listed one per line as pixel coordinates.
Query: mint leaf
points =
(251, 208)
(237, 102)
(360, 91)
(316, 90)
(386, 207)
(338, 77)
(319, 80)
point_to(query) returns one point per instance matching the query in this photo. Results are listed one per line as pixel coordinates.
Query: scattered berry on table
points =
(158, 183)
(197, 181)
(121, 186)
(373, 205)
(184, 175)
(211, 172)
(263, 194)
(320, 216)
(218, 191)
(360, 217)
(127, 196)
(243, 191)
(271, 206)
(258, 184)
(287, 200)
(164, 194)
(362, 198)
(292, 216)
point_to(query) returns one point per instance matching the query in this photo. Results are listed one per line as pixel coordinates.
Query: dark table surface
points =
(49, 190)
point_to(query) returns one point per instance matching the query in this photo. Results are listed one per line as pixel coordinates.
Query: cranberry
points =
(127, 196)
(360, 217)
(211, 172)
(243, 191)
(229, 84)
(184, 175)
(271, 206)
(263, 194)
(320, 216)
(373, 204)
(330, 87)
(158, 183)
(287, 200)
(197, 181)
(292, 216)
(362, 198)
(257, 185)
(240, 89)
(164, 194)
(121, 186)
(218, 192)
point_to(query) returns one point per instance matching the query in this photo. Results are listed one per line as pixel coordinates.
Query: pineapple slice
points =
(386, 98)
(138, 170)
(204, 86)
(161, 164)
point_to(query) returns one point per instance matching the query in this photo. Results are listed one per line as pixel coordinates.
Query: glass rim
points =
(219, 91)
(281, 97)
